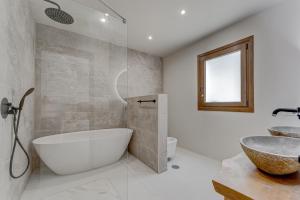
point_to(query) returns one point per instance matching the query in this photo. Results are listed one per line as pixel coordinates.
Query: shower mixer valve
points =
(6, 108)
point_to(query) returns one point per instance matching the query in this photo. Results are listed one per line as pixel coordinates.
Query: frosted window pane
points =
(223, 78)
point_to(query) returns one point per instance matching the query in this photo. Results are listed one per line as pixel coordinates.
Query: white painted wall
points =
(277, 72)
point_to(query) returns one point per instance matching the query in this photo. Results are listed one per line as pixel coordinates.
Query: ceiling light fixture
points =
(106, 14)
(150, 37)
(183, 12)
(103, 20)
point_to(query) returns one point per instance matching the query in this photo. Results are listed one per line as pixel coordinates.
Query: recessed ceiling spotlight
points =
(103, 20)
(150, 37)
(106, 14)
(183, 12)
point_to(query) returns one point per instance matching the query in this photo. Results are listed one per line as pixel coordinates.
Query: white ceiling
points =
(159, 18)
(170, 30)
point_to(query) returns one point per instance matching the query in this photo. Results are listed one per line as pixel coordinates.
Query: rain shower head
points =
(58, 15)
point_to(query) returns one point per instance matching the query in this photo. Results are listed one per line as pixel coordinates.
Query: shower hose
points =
(16, 121)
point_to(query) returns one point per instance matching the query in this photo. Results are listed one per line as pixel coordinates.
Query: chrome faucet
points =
(289, 110)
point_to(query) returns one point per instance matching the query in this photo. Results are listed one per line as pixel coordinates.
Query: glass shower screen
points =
(80, 146)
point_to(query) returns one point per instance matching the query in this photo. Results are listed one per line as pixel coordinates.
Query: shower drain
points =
(175, 166)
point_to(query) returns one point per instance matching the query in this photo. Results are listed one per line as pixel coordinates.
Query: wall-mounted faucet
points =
(289, 110)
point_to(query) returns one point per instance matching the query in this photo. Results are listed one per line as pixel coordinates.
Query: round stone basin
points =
(286, 131)
(273, 154)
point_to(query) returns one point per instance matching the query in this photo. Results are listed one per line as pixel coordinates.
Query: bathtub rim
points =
(62, 140)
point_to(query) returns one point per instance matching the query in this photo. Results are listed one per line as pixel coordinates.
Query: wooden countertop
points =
(239, 179)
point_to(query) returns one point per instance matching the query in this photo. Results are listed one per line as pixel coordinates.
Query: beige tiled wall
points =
(144, 74)
(150, 125)
(74, 75)
(17, 38)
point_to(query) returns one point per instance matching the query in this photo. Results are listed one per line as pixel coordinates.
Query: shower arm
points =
(111, 9)
(49, 1)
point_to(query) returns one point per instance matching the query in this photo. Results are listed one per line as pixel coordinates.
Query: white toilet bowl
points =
(171, 147)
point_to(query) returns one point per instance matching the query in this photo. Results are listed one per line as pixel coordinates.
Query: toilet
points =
(171, 147)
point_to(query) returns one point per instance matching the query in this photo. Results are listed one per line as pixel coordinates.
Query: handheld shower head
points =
(6, 109)
(28, 92)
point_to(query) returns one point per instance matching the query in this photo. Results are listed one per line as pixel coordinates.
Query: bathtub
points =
(76, 152)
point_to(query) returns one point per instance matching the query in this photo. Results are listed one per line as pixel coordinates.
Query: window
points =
(225, 78)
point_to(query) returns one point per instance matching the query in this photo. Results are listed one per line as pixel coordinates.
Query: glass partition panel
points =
(80, 117)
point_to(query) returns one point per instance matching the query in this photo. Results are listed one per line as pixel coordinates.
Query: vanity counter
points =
(239, 179)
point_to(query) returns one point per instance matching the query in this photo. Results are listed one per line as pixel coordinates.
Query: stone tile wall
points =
(144, 74)
(74, 75)
(150, 124)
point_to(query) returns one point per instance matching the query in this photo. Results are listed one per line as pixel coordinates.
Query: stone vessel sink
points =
(286, 131)
(273, 154)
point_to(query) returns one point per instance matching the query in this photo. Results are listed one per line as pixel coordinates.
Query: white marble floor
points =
(130, 180)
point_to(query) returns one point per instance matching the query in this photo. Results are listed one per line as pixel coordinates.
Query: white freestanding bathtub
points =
(71, 153)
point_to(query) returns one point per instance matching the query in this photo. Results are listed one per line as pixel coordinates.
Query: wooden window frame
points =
(246, 46)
